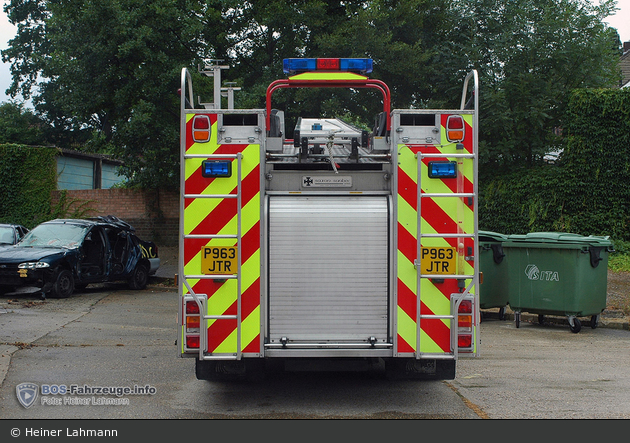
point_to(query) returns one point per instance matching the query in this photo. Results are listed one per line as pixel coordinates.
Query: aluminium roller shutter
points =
(328, 268)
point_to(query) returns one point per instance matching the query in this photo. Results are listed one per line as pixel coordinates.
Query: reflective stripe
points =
(439, 215)
(218, 216)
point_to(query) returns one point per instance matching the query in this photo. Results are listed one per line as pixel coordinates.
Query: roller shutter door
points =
(328, 268)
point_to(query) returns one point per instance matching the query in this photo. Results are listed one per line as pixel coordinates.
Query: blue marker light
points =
(363, 65)
(442, 169)
(217, 168)
(299, 65)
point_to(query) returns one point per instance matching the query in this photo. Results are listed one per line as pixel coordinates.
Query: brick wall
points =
(154, 214)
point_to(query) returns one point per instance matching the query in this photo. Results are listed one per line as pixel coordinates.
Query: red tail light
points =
(192, 341)
(465, 307)
(201, 128)
(192, 307)
(465, 326)
(464, 341)
(455, 122)
(192, 323)
(455, 128)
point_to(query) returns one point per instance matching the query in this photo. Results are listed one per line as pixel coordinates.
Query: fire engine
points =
(338, 249)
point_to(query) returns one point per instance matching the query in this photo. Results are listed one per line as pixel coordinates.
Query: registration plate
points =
(219, 260)
(437, 261)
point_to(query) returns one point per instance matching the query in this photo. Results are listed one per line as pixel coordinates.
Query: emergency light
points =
(440, 169)
(295, 65)
(216, 168)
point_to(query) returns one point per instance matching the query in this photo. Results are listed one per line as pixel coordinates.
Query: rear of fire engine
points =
(340, 248)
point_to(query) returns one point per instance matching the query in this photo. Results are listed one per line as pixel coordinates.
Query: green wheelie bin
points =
(493, 291)
(555, 273)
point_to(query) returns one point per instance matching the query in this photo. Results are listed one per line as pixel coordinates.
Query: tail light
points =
(465, 326)
(192, 307)
(464, 341)
(201, 128)
(192, 341)
(455, 129)
(464, 321)
(192, 324)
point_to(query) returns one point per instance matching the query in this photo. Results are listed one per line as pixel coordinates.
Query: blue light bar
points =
(216, 168)
(299, 65)
(294, 65)
(363, 65)
(442, 169)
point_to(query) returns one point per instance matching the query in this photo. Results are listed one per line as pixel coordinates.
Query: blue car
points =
(60, 255)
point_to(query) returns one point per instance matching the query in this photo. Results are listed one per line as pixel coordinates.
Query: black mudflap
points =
(412, 369)
(231, 370)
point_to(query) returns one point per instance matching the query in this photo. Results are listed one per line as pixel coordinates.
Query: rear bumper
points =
(154, 265)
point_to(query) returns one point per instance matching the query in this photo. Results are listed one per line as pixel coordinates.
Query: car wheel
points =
(64, 285)
(139, 277)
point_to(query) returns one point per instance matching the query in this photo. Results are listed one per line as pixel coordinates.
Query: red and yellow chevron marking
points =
(439, 215)
(210, 216)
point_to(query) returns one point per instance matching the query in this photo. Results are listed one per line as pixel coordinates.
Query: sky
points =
(620, 21)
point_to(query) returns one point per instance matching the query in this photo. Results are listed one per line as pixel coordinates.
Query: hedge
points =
(27, 176)
(586, 192)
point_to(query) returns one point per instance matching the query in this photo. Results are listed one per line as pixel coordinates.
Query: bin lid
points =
(562, 238)
(492, 236)
(600, 240)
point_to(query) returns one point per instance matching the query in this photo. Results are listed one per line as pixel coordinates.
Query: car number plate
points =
(219, 260)
(438, 261)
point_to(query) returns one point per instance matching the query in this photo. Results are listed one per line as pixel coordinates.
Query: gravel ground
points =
(618, 292)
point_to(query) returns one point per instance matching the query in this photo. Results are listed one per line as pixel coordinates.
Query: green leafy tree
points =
(265, 32)
(106, 71)
(530, 55)
(397, 35)
(19, 125)
(109, 73)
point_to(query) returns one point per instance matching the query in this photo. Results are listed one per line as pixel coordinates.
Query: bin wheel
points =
(517, 319)
(541, 319)
(576, 326)
(594, 321)
(502, 313)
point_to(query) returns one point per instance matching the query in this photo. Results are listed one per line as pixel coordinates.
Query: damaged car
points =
(62, 255)
(10, 233)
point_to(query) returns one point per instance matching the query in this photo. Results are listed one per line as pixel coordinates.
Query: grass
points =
(619, 262)
(619, 259)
